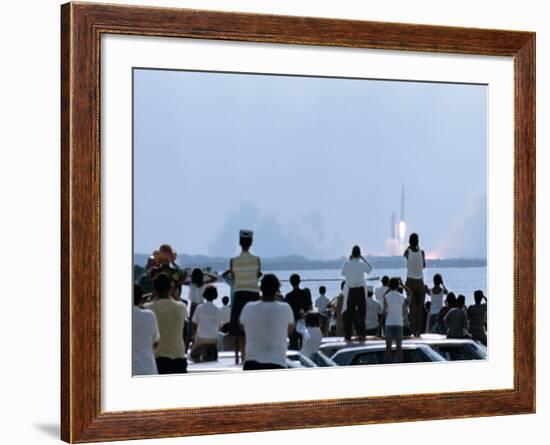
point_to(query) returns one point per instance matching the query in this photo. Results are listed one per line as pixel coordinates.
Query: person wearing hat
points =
(163, 261)
(246, 270)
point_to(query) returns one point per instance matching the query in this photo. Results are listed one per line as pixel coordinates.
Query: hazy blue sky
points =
(313, 165)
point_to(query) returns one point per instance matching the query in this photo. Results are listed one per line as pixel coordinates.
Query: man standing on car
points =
(245, 270)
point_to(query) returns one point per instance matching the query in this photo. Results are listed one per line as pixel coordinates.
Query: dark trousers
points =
(167, 365)
(479, 335)
(295, 341)
(416, 308)
(252, 365)
(373, 331)
(354, 316)
(187, 333)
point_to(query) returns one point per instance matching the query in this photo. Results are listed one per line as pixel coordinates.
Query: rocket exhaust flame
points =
(396, 242)
(402, 231)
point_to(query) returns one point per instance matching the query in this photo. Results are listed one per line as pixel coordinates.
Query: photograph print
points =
(284, 222)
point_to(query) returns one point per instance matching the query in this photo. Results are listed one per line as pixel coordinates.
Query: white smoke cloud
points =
(391, 247)
(304, 236)
(466, 236)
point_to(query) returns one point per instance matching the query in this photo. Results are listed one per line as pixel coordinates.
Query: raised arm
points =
(343, 273)
(259, 267)
(404, 286)
(368, 267)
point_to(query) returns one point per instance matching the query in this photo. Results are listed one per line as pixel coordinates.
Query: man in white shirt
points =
(145, 337)
(226, 310)
(321, 304)
(322, 301)
(354, 305)
(207, 319)
(374, 310)
(394, 308)
(267, 324)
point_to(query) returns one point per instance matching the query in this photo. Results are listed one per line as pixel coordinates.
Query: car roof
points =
(428, 339)
(226, 362)
(231, 354)
(431, 339)
(376, 348)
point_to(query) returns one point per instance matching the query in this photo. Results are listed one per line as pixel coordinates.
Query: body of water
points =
(460, 280)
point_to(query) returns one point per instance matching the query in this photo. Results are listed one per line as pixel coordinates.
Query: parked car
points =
(374, 354)
(331, 345)
(294, 359)
(226, 363)
(321, 360)
(449, 348)
(452, 349)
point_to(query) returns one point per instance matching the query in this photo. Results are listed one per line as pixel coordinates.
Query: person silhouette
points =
(416, 263)
(354, 306)
(246, 270)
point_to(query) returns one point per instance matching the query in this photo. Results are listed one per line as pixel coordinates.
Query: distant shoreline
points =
(296, 262)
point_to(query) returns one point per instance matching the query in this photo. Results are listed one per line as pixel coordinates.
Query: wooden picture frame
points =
(82, 26)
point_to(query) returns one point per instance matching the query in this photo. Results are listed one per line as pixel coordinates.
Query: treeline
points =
(297, 262)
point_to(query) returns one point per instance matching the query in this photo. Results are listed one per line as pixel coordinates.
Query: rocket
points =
(403, 203)
(402, 229)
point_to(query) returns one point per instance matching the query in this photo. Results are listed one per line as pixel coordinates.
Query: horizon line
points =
(329, 259)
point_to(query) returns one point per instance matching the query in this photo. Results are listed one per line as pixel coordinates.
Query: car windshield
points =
(379, 357)
(457, 352)
(298, 361)
(330, 350)
(321, 359)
